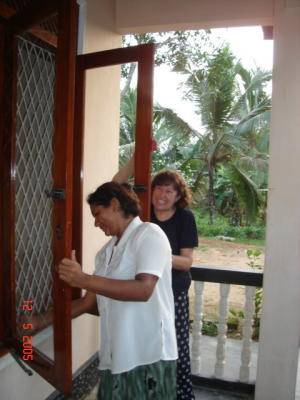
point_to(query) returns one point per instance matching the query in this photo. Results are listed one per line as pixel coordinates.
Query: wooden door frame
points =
(58, 371)
(2, 308)
(144, 56)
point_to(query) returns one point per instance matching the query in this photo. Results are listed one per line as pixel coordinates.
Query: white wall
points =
(164, 15)
(101, 118)
(280, 329)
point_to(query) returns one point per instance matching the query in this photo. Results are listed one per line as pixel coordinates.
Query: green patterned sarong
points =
(147, 382)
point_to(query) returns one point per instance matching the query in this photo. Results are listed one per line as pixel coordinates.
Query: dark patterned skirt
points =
(156, 381)
(184, 380)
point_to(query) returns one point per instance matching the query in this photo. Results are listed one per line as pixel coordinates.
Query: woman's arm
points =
(125, 172)
(184, 261)
(86, 304)
(138, 289)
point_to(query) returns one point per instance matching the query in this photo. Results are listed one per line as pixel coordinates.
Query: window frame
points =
(58, 371)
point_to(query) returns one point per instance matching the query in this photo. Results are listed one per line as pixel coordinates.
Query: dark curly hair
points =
(173, 178)
(128, 200)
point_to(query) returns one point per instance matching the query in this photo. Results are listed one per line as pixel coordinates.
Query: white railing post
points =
(247, 335)
(197, 328)
(222, 330)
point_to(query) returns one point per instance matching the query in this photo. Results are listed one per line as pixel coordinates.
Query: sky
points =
(247, 44)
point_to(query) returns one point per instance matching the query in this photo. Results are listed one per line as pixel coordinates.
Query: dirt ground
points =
(220, 253)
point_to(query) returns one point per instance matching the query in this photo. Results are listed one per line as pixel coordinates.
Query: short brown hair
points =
(169, 177)
(128, 200)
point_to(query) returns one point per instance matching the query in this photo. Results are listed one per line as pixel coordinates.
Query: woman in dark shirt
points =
(170, 198)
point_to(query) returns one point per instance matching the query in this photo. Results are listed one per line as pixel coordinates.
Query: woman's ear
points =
(115, 204)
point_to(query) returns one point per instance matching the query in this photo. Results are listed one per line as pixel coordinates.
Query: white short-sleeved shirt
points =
(137, 333)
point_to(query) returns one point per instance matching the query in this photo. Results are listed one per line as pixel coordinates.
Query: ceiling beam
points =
(268, 32)
(34, 13)
(15, 19)
(6, 11)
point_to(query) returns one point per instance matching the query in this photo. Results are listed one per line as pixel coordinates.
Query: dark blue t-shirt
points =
(182, 233)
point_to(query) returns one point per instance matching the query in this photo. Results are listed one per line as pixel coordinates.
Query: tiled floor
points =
(86, 381)
(208, 394)
(200, 394)
(92, 395)
(231, 371)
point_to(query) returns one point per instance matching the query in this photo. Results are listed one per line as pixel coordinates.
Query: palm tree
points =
(127, 125)
(225, 104)
(234, 110)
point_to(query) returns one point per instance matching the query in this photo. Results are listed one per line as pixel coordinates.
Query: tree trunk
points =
(211, 195)
(129, 78)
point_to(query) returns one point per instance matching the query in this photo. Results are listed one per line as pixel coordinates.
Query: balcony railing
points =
(240, 379)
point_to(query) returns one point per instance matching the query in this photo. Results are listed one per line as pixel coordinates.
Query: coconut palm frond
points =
(246, 191)
(257, 116)
(258, 162)
(252, 91)
(174, 125)
(125, 152)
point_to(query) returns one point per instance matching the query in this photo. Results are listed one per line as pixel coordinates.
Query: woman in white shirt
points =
(132, 287)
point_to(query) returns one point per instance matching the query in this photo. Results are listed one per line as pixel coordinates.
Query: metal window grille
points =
(33, 175)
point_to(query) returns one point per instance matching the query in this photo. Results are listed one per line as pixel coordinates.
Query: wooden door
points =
(37, 85)
(143, 55)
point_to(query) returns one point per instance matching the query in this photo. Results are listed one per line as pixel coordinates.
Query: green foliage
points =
(253, 258)
(234, 323)
(234, 320)
(237, 195)
(212, 90)
(209, 328)
(177, 49)
(257, 312)
(254, 263)
(223, 228)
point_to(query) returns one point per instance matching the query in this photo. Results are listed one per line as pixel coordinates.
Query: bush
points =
(209, 328)
(222, 227)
